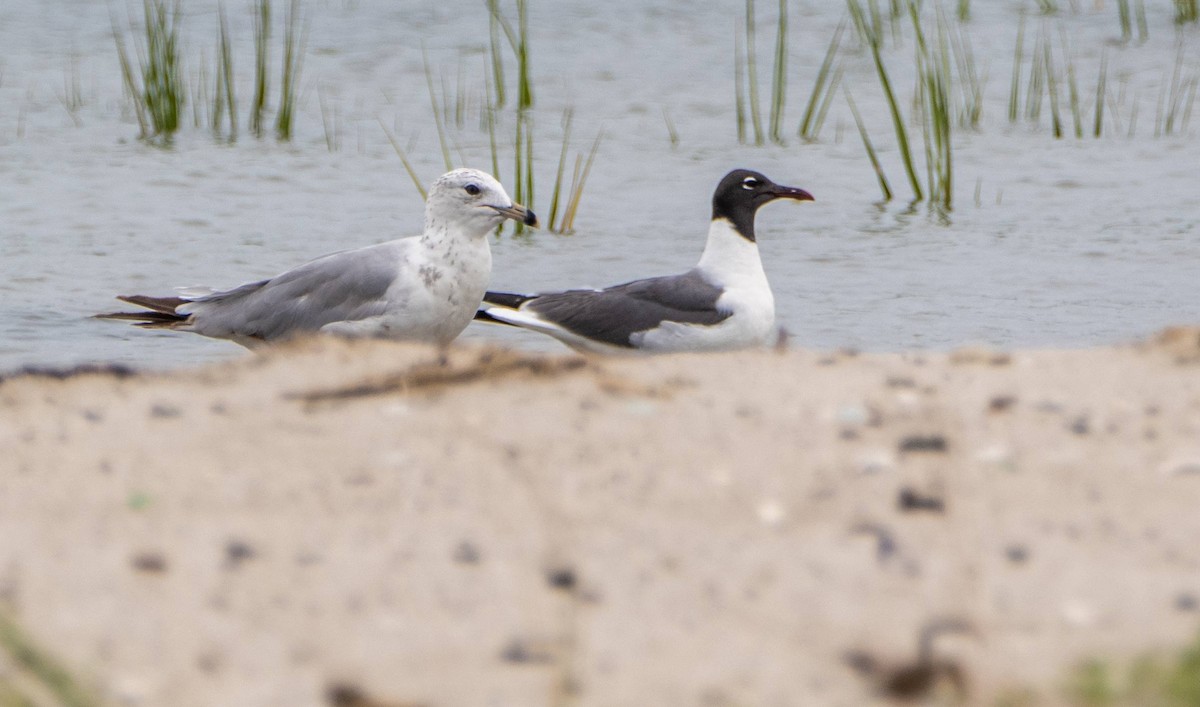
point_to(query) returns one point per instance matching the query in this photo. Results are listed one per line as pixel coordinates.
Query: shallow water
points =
(1051, 243)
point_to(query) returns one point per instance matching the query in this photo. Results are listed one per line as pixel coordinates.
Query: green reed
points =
(41, 671)
(329, 121)
(1187, 11)
(873, 39)
(871, 154)
(1101, 85)
(752, 74)
(162, 79)
(1175, 100)
(494, 51)
(1072, 85)
(739, 87)
(262, 37)
(157, 87)
(934, 96)
(523, 165)
(964, 10)
(72, 95)
(969, 84)
(1037, 79)
(437, 113)
(293, 51)
(224, 98)
(1014, 94)
(821, 87)
(672, 133)
(779, 75)
(1052, 90)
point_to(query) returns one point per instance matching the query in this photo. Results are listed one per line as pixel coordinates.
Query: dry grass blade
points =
(412, 173)
(807, 129)
(871, 155)
(577, 185)
(41, 667)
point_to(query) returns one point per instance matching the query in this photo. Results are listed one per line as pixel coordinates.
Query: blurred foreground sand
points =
(516, 529)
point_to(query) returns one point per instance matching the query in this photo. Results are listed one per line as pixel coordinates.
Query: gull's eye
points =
(472, 189)
(750, 183)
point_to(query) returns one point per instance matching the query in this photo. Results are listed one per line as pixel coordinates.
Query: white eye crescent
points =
(750, 183)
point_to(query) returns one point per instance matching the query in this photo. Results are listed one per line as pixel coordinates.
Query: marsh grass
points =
(934, 95)
(412, 173)
(1101, 87)
(262, 37)
(1014, 94)
(739, 82)
(162, 75)
(1072, 85)
(293, 52)
(870, 148)
(38, 673)
(751, 64)
(518, 41)
(1052, 89)
(1048, 7)
(497, 61)
(672, 132)
(1187, 11)
(1171, 681)
(579, 178)
(1125, 17)
(434, 106)
(1175, 100)
(156, 88)
(329, 121)
(523, 165)
(822, 88)
(969, 82)
(224, 98)
(1037, 79)
(562, 165)
(779, 74)
(873, 39)
(746, 87)
(72, 93)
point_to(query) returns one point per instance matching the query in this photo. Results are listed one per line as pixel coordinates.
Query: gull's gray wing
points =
(614, 314)
(345, 286)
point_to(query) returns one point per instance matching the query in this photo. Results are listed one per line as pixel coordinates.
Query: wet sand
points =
(355, 524)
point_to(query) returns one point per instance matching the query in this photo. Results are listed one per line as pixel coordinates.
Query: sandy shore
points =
(354, 524)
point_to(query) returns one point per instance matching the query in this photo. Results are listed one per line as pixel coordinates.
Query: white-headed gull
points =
(422, 288)
(723, 303)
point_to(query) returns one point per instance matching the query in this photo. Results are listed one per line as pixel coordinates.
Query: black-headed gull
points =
(723, 303)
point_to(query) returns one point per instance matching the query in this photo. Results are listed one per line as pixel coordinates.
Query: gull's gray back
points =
(347, 285)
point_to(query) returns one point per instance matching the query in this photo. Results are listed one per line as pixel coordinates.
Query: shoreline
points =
(735, 528)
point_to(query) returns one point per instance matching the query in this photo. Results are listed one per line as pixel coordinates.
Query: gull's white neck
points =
(728, 257)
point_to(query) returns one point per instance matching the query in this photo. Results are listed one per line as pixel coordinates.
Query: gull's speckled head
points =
(474, 200)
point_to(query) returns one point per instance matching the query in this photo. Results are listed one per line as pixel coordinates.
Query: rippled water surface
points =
(1050, 243)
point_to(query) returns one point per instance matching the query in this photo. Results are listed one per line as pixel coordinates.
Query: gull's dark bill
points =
(516, 212)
